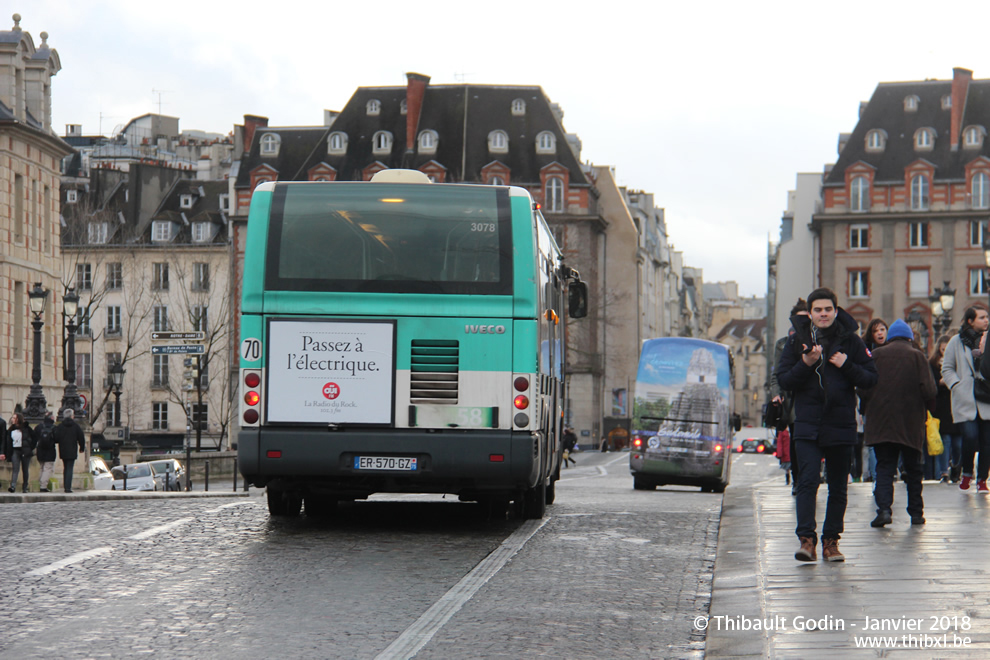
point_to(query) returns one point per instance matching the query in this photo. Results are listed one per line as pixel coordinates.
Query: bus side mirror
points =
(577, 300)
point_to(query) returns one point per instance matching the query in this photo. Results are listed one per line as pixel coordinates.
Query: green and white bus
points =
(402, 336)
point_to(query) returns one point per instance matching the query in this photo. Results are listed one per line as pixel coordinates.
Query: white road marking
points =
(416, 636)
(73, 559)
(148, 533)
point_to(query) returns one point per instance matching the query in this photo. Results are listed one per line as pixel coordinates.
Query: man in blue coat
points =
(823, 378)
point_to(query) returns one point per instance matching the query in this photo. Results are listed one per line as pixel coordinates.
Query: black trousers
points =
(888, 454)
(67, 466)
(837, 459)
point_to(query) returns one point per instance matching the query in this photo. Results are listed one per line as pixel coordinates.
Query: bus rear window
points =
(395, 238)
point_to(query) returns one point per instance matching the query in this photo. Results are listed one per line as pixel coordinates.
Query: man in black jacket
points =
(68, 434)
(823, 378)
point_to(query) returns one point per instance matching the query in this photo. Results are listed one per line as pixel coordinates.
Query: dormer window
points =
(947, 102)
(498, 142)
(403, 107)
(185, 201)
(382, 143)
(973, 136)
(911, 103)
(98, 233)
(546, 143)
(269, 144)
(859, 194)
(224, 203)
(337, 144)
(876, 140)
(161, 231)
(496, 181)
(924, 139)
(979, 195)
(428, 142)
(202, 232)
(518, 108)
(71, 196)
(374, 107)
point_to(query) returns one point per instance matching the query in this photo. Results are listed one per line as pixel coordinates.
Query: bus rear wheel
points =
(642, 484)
(534, 501)
(282, 503)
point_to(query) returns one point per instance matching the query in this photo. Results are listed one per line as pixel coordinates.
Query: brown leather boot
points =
(830, 550)
(807, 551)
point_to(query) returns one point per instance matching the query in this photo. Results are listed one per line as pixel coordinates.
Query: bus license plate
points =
(384, 463)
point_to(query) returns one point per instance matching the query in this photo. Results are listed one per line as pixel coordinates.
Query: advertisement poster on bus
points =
(330, 372)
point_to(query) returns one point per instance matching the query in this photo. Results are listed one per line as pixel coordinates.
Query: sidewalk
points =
(903, 591)
(218, 488)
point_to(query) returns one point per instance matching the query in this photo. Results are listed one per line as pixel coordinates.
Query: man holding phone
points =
(823, 377)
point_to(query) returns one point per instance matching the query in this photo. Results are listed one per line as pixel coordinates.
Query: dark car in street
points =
(755, 441)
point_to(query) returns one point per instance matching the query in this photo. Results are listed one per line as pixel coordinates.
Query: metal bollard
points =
(206, 478)
(125, 478)
(235, 474)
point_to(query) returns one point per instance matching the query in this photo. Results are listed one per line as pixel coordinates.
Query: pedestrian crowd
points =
(918, 417)
(19, 443)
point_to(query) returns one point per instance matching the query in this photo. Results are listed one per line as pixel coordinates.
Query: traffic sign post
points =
(179, 348)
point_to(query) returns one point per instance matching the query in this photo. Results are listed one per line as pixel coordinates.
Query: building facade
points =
(905, 208)
(30, 154)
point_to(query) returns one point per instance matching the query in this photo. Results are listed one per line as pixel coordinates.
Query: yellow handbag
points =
(934, 437)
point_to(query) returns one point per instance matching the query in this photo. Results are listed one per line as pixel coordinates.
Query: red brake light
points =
(718, 448)
(521, 402)
(251, 416)
(496, 458)
(521, 384)
(739, 448)
(638, 442)
(759, 449)
(252, 398)
(252, 380)
(273, 453)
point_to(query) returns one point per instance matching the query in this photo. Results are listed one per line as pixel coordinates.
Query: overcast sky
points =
(712, 106)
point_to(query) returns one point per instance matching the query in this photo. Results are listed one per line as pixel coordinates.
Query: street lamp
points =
(117, 372)
(36, 404)
(70, 397)
(942, 301)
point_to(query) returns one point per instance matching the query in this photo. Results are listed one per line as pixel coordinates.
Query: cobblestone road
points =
(612, 572)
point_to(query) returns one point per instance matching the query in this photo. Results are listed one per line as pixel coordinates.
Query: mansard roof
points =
(489, 108)
(743, 328)
(885, 111)
(300, 148)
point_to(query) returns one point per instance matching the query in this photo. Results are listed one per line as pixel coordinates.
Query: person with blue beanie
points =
(895, 420)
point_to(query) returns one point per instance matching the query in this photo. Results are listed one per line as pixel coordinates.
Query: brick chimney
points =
(960, 87)
(251, 124)
(415, 91)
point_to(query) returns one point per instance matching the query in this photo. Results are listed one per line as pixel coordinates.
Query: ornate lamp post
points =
(117, 382)
(70, 397)
(35, 404)
(942, 301)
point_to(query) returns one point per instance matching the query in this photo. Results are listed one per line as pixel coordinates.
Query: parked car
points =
(98, 470)
(755, 441)
(139, 477)
(168, 472)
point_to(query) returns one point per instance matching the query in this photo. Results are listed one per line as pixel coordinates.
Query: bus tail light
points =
(637, 442)
(718, 449)
(525, 395)
(251, 386)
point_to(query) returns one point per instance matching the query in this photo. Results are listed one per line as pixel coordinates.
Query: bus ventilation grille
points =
(433, 371)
